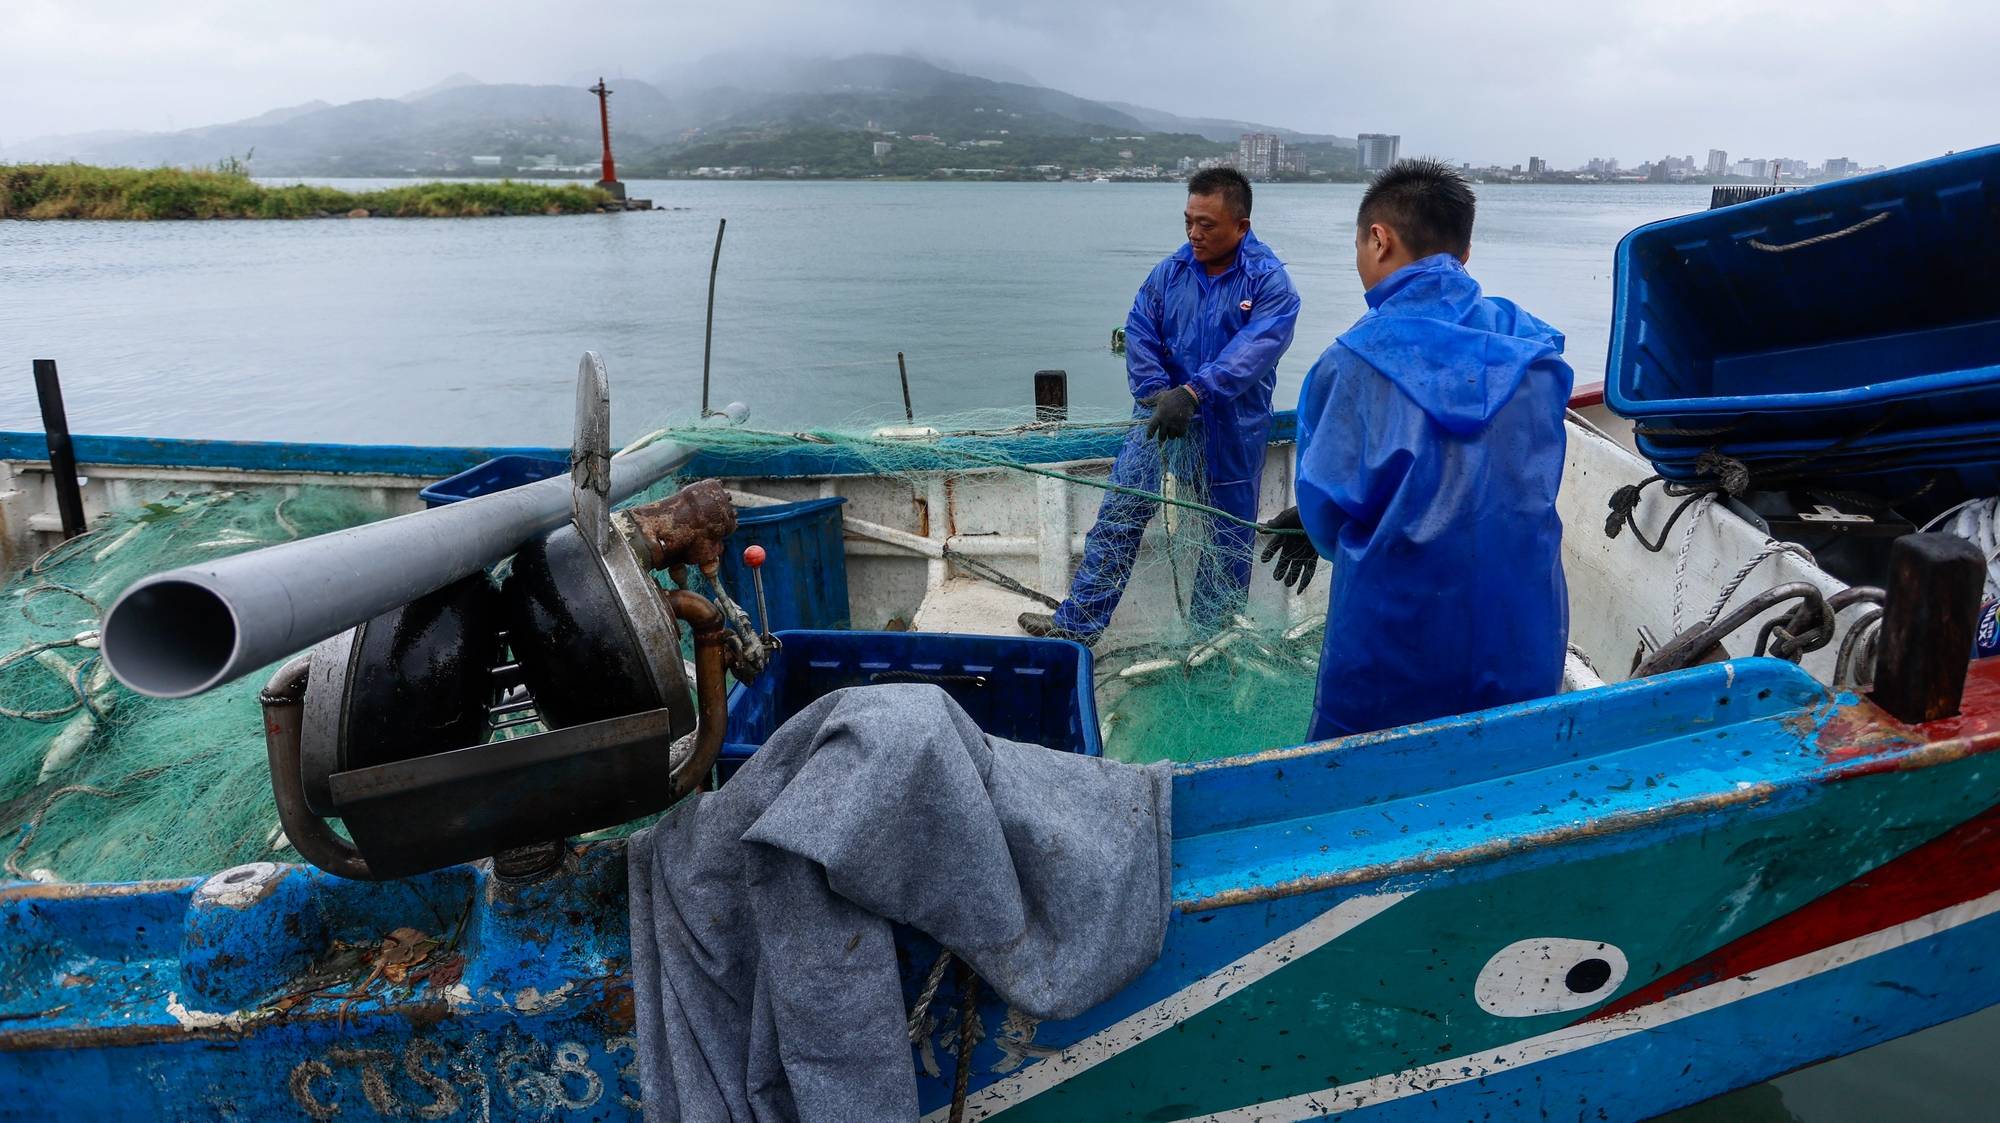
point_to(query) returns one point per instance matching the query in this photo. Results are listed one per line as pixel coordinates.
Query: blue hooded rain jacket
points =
(1223, 335)
(1430, 451)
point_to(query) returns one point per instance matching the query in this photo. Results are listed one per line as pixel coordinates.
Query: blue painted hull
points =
(1295, 969)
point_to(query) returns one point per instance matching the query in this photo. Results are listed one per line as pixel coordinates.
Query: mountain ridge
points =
(461, 123)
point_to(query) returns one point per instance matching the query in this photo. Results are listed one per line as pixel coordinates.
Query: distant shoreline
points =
(60, 192)
(777, 177)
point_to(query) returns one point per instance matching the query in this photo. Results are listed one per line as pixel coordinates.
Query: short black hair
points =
(1227, 182)
(1426, 202)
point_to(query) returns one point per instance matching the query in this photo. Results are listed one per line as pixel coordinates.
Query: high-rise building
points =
(1377, 150)
(1718, 162)
(1839, 167)
(1537, 166)
(1259, 155)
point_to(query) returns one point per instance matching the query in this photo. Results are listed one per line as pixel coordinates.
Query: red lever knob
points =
(753, 556)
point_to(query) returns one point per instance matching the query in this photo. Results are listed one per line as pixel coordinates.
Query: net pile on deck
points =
(1176, 687)
(98, 783)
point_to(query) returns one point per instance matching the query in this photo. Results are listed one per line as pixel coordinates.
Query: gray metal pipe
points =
(179, 633)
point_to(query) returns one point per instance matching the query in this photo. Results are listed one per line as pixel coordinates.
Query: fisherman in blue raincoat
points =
(1430, 450)
(1202, 345)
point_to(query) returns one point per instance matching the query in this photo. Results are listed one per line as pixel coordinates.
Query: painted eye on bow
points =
(1548, 975)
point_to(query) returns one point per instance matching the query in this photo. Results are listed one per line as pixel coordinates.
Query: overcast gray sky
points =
(1882, 81)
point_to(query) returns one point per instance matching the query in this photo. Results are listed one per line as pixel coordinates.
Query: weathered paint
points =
(271, 997)
(1399, 992)
(1283, 977)
(440, 461)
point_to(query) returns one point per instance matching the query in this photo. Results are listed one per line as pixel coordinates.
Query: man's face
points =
(1213, 232)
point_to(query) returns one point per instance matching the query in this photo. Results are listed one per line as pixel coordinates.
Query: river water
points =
(469, 331)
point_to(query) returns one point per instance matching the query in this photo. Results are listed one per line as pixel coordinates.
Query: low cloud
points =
(1488, 82)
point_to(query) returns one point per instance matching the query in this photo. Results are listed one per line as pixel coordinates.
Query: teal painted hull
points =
(1420, 921)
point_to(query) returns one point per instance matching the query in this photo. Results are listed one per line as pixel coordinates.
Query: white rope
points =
(1772, 548)
(1701, 507)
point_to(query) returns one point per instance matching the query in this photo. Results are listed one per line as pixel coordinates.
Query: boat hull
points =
(1802, 878)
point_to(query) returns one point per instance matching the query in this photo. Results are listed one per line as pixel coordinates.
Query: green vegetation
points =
(821, 151)
(45, 191)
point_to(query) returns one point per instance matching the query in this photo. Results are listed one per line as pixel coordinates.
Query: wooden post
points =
(1928, 619)
(903, 372)
(1051, 395)
(62, 457)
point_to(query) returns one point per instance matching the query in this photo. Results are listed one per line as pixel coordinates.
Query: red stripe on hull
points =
(1960, 865)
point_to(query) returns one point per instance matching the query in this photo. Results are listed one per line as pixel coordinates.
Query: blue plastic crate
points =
(497, 474)
(1034, 690)
(1886, 442)
(1708, 330)
(805, 564)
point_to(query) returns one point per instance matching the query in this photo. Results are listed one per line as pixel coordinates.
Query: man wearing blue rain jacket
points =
(1430, 450)
(1202, 345)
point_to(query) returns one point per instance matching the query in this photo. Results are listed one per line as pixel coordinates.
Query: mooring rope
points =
(1817, 239)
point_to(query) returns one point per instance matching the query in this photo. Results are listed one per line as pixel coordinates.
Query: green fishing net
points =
(1171, 684)
(98, 783)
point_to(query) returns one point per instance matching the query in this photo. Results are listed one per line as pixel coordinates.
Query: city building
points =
(1718, 162)
(1377, 150)
(1840, 167)
(1537, 166)
(882, 149)
(1259, 155)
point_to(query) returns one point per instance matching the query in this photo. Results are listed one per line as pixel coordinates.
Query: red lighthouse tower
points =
(610, 181)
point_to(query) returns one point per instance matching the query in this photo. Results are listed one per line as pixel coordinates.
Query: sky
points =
(1879, 81)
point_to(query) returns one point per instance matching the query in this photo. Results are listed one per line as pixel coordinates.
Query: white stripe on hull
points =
(1174, 1009)
(1569, 1039)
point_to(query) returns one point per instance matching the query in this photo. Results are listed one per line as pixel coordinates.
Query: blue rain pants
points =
(1222, 335)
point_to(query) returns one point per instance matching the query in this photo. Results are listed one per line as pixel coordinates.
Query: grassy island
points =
(58, 191)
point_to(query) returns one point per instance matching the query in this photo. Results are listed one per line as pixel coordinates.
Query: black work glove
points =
(1296, 557)
(1172, 410)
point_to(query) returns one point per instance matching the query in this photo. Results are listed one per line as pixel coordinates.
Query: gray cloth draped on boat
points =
(762, 952)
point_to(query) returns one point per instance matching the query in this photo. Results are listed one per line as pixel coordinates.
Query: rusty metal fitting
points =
(689, 527)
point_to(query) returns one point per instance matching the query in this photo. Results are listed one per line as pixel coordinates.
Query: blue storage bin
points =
(1710, 331)
(805, 564)
(1882, 443)
(1034, 690)
(497, 474)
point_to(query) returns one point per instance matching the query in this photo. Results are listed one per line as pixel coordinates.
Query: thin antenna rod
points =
(708, 333)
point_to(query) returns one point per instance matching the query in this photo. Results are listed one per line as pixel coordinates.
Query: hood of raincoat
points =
(1456, 352)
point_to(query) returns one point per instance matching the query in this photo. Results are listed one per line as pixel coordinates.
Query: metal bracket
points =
(590, 454)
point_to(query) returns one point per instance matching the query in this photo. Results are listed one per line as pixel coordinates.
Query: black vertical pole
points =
(903, 372)
(1928, 621)
(62, 458)
(1051, 395)
(708, 332)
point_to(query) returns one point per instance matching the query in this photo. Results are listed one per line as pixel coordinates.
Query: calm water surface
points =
(468, 331)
